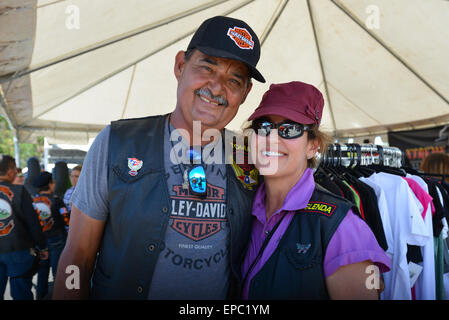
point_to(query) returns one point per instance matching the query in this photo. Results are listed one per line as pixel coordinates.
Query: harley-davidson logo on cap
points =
(134, 164)
(241, 37)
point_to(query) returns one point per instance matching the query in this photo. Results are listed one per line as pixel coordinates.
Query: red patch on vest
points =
(7, 192)
(320, 207)
(4, 231)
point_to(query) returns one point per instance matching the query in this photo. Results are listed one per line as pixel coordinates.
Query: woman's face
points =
(278, 157)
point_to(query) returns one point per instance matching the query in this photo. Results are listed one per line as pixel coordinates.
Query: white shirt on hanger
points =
(443, 221)
(407, 226)
(425, 287)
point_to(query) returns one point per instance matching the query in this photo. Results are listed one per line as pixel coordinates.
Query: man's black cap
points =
(43, 179)
(230, 38)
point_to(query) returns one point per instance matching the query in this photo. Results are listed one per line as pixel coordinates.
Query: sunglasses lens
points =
(262, 127)
(197, 180)
(291, 130)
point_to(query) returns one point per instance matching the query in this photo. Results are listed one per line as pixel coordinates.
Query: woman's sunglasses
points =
(286, 129)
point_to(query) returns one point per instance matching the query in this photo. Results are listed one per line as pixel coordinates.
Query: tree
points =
(27, 150)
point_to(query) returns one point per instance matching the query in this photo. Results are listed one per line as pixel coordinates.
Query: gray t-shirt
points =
(194, 261)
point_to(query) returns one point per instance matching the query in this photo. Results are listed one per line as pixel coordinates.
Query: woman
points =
(306, 243)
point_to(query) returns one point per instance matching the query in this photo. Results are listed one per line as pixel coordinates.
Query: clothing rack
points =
(362, 154)
(434, 175)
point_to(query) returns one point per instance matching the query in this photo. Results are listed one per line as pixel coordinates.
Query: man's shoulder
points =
(135, 127)
(7, 187)
(132, 121)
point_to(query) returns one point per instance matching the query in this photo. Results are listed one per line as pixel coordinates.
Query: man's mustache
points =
(208, 94)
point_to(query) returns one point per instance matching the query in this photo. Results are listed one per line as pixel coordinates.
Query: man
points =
(156, 237)
(53, 216)
(74, 175)
(20, 232)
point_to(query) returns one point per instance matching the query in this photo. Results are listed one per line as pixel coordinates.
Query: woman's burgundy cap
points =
(296, 101)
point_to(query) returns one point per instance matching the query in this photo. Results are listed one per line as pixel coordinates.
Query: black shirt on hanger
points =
(439, 210)
(371, 211)
(323, 180)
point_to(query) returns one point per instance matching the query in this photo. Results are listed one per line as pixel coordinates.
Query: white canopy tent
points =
(69, 67)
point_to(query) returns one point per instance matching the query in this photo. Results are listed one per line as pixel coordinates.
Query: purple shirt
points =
(352, 242)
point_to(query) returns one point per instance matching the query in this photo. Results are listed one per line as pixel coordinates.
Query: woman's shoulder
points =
(328, 203)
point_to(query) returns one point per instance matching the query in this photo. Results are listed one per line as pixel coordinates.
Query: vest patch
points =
(5, 213)
(5, 230)
(7, 192)
(320, 207)
(5, 209)
(246, 173)
(42, 206)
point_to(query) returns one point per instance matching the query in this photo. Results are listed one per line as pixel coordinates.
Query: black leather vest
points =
(295, 269)
(47, 208)
(140, 209)
(14, 232)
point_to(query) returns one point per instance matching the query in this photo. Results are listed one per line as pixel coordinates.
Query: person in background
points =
(20, 233)
(74, 175)
(52, 215)
(437, 163)
(306, 243)
(19, 178)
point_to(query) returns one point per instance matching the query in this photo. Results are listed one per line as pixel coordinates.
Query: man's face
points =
(210, 89)
(12, 173)
(74, 177)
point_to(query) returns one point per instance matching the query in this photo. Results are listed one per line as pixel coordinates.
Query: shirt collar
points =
(297, 198)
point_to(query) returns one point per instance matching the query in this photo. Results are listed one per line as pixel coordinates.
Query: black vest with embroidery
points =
(295, 269)
(14, 233)
(48, 211)
(140, 209)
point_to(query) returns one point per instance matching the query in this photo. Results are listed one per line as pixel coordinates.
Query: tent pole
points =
(182, 37)
(335, 132)
(390, 50)
(46, 147)
(144, 29)
(17, 148)
(4, 112)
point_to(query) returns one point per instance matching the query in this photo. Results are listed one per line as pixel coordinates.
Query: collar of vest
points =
(130, 139)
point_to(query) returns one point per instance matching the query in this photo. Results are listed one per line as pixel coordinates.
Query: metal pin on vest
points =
(134, 164)
(302, 248)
